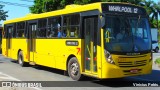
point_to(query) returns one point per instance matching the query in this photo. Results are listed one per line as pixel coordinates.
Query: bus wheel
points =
(21, 60)
(74, 69)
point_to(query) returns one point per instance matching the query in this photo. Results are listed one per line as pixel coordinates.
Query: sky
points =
(15, 11)
(19, 11)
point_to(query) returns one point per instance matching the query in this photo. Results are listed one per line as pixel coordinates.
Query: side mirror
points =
(103, 21)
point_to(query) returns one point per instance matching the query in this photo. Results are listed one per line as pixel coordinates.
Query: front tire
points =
(74, 69)
(21, 59)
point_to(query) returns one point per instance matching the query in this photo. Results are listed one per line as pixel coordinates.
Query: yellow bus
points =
(101, 40)
(1, 28)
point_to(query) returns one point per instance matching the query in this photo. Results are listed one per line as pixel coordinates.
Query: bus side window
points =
(52, 30)
(71, 24)
(14, 31)
(20, 29)
(42, 28)
(4, 32)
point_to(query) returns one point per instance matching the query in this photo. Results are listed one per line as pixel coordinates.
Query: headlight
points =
(108, 57)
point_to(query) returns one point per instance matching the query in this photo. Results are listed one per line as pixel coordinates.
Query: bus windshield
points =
(127, 34)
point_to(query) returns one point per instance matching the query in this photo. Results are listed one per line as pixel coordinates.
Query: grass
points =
(157, 61)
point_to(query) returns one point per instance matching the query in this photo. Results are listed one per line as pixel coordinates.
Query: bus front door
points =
(32, 27)
(8, 40)
(90, 43)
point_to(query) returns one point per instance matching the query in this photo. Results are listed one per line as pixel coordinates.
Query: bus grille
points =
(132, 64)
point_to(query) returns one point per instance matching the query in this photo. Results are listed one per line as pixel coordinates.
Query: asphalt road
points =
(11, 71)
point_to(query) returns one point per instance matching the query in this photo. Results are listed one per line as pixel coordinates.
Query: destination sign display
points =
(126, 9)
(122, 8)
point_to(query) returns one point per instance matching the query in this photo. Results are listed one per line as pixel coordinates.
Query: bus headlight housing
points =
(108, 57)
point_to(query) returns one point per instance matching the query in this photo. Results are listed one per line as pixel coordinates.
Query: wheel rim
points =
(20, 60)
(74, 69)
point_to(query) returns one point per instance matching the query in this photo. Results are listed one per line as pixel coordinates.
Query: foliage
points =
(157, 61)
(155, 23)
(153, 11)
(51, 5)
(3, 13)
(41, 6)
(37, 7)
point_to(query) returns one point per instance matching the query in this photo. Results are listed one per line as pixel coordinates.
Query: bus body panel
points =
(19, 44)
(54, 52)
(123, 66)
(4, 51)
(99, 62)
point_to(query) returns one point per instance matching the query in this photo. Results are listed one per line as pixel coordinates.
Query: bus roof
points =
(67, 10)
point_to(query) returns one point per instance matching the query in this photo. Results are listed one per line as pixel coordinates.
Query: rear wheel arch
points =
(73, 68)
(69, 57)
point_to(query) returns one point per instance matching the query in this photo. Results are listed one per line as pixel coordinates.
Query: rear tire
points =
(157, 49)
(74, 69)
(21, 59)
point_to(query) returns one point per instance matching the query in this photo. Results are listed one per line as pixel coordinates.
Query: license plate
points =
(134, 70)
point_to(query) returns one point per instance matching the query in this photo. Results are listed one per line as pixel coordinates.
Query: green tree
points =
(156, 13)
(3, 14)
(41, 6)
(50, 5)
(155, 23)
(153, 11)
(148, 5)
(37, 7)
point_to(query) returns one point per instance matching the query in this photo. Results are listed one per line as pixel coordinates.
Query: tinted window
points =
(53, 24)
(71, 25)
(14, 31)
(5, 31)
(42, 23)
(20, 29)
